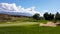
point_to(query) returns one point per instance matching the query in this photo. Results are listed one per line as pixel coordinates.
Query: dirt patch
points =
(51, 24)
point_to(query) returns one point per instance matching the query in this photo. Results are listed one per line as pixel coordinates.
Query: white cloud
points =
(42, 12)
(12, 7)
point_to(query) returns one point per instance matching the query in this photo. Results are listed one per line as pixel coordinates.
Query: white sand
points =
(51, 24)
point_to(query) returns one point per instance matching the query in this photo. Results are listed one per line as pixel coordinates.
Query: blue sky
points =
(51, 6)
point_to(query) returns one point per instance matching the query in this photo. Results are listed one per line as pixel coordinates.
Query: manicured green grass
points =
(50, 30)
(18, 24)
(32, 29)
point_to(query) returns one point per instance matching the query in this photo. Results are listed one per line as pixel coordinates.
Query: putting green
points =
(18, 24)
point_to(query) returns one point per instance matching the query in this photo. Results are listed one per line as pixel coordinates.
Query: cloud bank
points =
(6, 7)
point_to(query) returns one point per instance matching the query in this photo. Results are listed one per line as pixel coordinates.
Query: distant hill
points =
(16, 13)
(7, 15)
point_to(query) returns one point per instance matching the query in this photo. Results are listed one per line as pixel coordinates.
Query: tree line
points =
(47, 16)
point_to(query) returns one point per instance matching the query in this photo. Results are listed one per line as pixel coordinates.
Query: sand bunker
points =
(51, 24)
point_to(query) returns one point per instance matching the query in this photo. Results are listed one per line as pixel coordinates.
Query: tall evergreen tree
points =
(57, 16)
